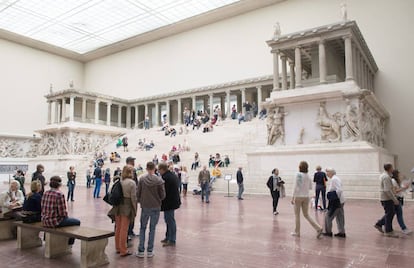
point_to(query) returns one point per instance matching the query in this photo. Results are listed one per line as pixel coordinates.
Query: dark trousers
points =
(320, 189)
(386, 220)
(275, 197)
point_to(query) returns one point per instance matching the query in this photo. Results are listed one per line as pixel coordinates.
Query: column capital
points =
(322, 42)
(259, 87)
(345, 37)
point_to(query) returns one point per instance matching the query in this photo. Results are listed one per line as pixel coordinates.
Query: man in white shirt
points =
(335, 211)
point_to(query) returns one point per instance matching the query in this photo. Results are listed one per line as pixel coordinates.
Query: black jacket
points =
(239, 176)
(172, 193)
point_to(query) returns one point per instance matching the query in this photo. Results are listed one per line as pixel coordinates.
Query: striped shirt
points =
(53, 208)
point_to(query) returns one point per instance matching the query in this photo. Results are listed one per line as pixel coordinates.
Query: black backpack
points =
(116, 196)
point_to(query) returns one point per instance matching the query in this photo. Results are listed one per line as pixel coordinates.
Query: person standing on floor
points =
(300, 199)
(107, 179)
(204, 182)
(399, 190)
(150, 193)
(274, 183)
(239, 177)
(388, 202)
(71, 182)
(126, 211)
(97, 174)
(320, 188)
(170, 203)
(184, 179)
(89, 172)
(336, 205)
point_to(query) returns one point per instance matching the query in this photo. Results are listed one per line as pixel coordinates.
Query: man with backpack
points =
(150, 193)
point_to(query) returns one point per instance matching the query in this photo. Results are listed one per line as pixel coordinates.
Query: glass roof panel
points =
(85, 25)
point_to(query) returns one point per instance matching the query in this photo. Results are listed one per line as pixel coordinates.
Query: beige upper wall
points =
(26, 75)
(230, 50)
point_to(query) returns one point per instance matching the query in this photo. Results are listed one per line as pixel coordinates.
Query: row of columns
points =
(59, 115)
(296, 66)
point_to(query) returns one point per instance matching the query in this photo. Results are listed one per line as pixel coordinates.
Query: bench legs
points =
(93, 253)
(56, 245)
(6, 229)
(28, 238)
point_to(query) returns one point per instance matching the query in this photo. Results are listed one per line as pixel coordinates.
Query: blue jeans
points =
(71, 188)
(318, 189)
(205, 190)
(97, 190)
(241, 190)
(386, 220)
(151, 214)
(171, 232)
(69, 222)
(400, 219)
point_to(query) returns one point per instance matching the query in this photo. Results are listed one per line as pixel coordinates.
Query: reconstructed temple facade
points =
(326, 112)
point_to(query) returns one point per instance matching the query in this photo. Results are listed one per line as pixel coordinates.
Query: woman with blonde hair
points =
(126, 211)
(300, 199)
(32, 205)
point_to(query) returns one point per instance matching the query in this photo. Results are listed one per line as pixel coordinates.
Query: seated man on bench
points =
(54, 213)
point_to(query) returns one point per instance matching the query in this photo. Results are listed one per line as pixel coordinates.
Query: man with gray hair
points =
(336, 205)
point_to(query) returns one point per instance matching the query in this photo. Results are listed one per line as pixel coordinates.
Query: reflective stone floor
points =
(232, 233)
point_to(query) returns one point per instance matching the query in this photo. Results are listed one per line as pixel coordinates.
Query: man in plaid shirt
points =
(54, 213)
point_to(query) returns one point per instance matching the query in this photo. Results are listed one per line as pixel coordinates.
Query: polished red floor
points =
(232, 233)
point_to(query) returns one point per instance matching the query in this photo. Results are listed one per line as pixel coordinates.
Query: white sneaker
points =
(150, 254)
(275, 213)
(407, 231)
(140, 254)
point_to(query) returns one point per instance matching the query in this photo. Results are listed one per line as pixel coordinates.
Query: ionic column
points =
(119, 115)
(49, 112)
(228, 115)
(348, 58)
(284, 73)
(276, 70)
(210, 96)
(180, 115)
(157, 115)
(108, 113)
(63, 109)
(128, 117)
(136, 117)
(292, 74)
(259, 98)
(298, 68)
(58, 112)
(96, 111)
(83, 110)
(167, 107)
(72, 108)
(322, 62)
(193, 102)
(243, 99)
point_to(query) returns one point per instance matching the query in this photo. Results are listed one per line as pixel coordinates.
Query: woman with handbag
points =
(274, 183)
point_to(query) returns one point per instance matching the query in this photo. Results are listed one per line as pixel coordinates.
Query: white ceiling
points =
(82, 26)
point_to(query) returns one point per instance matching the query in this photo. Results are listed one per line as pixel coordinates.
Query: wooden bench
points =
(6, 227)
(93, 241)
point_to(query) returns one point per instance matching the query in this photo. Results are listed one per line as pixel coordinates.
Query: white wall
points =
(26, 75)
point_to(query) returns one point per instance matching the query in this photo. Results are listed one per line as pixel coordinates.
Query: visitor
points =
(336, 205)
(107, 179)
(274, 183)
(125, 143)
(54, 212)
(20, 177)
(247, 107)
(233, 112)
(170, 204)
(240, 117)
(300, 199)
(32, 206)
(150, 193)
(97, 174)
(399, 190)
(89, 173)
(184, 179)
(388, 202)
(196, 162)
(126, 211)
(239, 177)
(38, 175)
(204, 182)
(71, 175)
(319, 178)
(12, 200)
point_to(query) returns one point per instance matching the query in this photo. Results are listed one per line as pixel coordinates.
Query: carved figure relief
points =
(301, 133)
(372, 125)
(331, 125)
(276, 126)
(351, 121)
